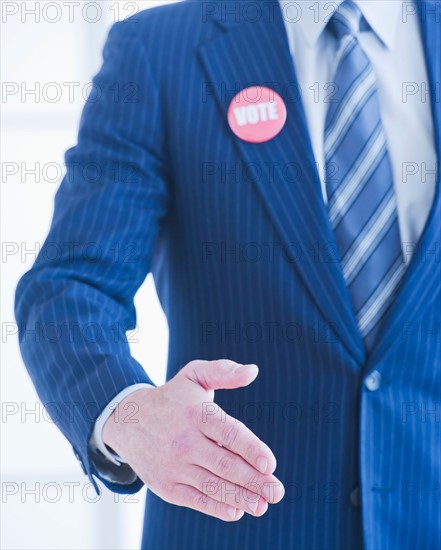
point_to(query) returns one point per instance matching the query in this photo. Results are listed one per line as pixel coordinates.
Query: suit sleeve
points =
(75, 305)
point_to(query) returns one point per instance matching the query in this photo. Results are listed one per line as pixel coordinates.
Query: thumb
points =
(220, 374)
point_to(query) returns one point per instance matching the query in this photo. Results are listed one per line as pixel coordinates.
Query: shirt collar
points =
(382, 15)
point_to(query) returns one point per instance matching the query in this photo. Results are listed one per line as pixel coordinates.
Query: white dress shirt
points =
(395, 50)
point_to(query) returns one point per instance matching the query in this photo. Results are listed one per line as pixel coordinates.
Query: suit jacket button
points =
(355, 498)
(373, 381)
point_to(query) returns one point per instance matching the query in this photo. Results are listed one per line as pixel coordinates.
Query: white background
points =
(46, 501)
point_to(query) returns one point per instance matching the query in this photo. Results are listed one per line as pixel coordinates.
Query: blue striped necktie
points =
(361, 197)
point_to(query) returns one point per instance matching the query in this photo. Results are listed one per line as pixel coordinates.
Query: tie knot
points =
(346, 20)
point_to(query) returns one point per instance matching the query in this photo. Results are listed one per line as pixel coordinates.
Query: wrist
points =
(125, 414)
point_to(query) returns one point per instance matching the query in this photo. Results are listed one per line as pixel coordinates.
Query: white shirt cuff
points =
(96, 442)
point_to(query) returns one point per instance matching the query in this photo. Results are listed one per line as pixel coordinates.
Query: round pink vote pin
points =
(257, 114)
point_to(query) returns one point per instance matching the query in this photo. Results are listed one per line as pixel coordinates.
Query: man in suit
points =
(304, 250)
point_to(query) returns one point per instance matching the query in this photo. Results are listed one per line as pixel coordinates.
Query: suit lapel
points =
(256, 52)
(421, 284)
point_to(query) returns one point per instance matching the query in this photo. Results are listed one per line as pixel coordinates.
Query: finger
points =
(236, 437)
(221, 374)
(225, 491)
(233, 468)
(185, 495)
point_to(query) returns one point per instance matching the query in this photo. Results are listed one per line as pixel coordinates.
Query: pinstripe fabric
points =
(232, 245)
(360, 188)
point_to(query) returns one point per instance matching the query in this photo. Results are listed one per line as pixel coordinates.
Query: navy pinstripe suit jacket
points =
(238, 239)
